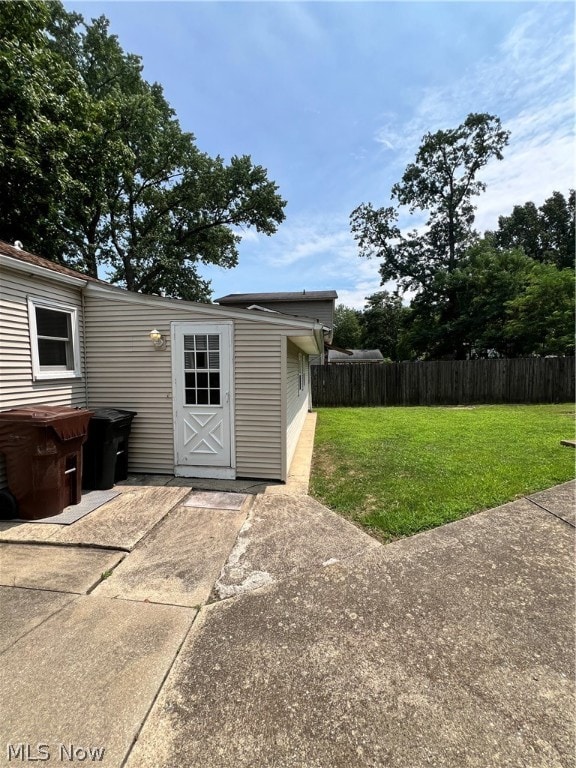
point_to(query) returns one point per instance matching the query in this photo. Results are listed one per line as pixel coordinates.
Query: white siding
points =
(296, 401)
(16, 385)
(125, 371)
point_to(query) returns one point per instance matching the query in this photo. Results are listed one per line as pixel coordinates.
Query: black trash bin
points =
(106, 450)
(42, 445)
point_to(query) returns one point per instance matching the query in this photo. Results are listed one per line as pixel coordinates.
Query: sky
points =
(333, 99)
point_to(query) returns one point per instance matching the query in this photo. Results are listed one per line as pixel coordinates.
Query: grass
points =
(397, 471)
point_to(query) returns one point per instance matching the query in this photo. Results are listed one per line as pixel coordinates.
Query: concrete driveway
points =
(154, 634)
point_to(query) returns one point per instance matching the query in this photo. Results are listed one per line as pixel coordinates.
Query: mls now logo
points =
(28, 753)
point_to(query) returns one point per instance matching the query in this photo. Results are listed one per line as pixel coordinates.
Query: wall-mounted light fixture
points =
(157, 339)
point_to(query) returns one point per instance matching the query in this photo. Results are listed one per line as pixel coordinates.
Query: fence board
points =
(445, 382)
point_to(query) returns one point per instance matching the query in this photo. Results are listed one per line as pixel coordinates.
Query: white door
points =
(202, 369)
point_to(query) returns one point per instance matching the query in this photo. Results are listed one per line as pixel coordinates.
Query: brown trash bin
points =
(42, 445)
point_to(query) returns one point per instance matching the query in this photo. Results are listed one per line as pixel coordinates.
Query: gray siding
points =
(16, 385)
(296, 401)
(323, 311)
(125, 371)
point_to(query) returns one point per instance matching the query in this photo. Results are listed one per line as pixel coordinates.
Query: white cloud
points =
(247, 235)
(530, 85)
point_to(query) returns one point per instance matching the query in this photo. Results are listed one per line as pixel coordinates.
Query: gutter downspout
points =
(319, 336)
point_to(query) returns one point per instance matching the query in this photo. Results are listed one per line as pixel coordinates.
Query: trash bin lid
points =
(110, 415)
(43, 414)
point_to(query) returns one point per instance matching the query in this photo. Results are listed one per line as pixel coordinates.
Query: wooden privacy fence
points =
(450, 382)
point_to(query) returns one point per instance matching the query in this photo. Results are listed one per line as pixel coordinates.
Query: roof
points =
(256, 298)
(19, 258)
(355, 355)
(31, 258)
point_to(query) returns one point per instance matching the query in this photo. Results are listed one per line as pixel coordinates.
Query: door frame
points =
(204, 326)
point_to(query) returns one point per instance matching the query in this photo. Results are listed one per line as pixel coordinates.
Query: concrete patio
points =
(276, 633)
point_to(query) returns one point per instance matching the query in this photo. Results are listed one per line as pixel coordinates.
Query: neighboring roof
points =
(257, 298)
(30, 258)
(355, 356)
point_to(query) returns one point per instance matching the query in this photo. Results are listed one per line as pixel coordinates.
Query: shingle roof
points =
(256, 298)
(31, 258)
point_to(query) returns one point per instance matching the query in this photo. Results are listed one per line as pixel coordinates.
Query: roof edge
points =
(271, 318)
(233, 298)
(30, 267)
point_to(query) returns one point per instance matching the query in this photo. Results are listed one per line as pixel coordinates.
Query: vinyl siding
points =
(322, 310)
(258, 369)
(16, 385)
(125, 371)
(296, 401)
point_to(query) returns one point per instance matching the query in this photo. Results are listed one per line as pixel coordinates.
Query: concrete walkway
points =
(277, 635)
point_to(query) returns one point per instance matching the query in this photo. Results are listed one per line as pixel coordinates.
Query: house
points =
(220, 390)
(355, 356)
(316, 305)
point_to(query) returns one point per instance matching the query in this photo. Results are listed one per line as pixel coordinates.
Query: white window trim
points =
(37, 373)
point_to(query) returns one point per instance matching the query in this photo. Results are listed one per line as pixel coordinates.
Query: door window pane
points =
(202, 369)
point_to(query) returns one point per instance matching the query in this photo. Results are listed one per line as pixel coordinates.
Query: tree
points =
(441, 182)
(382, 322)
(104, 176)
(540, 321)
(44, 106)
(509, 305)
(347, 328)
(486, 280)
(545, 234)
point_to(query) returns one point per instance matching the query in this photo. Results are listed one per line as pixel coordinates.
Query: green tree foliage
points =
(545, 234)
(347, 328)
(98, 169)
(44, 107)
(485, 281)
(509, 305)
(441, 183)
(540, 320)
(382, 322)
(510, 293)
(378, 326)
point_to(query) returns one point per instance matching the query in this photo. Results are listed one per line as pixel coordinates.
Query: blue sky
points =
(333, 99)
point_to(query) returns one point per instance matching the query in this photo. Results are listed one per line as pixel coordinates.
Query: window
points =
(54, 339)
(202, 369)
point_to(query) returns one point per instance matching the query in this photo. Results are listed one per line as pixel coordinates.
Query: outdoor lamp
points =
(157, 339)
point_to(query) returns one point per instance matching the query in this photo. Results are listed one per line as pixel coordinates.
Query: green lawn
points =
(397, 471)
